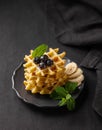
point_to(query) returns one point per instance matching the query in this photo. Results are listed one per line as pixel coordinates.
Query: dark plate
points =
(43, 101)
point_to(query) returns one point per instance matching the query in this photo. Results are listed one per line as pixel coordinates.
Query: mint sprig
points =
(69, 101)
(71, 104)
(40, 50)
(63, 94)
(71, 86)
(61, 91)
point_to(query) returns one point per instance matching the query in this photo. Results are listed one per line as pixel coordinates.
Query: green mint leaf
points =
(71, 104)
(64, 97)
(40, 50)
(62, 102)
(71, 86)
(55, 96)
(58, 93)
(68, 96)
(61, 91)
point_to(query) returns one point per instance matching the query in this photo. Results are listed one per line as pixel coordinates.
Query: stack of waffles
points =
(44, 81)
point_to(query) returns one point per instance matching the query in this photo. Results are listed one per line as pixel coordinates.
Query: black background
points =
(24, 25)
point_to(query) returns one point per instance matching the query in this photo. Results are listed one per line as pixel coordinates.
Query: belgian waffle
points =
(44, 81)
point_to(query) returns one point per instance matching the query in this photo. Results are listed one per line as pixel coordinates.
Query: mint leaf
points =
(55, 96)
(64, 97)
(40, 50)
(71, 103)
(61, 91)
(62, 102)
(68, 96)
(71, 86)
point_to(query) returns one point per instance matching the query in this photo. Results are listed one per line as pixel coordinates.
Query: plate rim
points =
(19, 95)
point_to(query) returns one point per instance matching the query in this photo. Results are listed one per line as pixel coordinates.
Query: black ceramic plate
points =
(43, 101)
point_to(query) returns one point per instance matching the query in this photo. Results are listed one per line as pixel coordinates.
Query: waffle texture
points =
(44, 81)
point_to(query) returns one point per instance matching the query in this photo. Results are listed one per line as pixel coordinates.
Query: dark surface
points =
(23, 26)
(79, 23)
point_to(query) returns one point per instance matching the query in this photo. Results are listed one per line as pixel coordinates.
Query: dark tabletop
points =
(23, 26)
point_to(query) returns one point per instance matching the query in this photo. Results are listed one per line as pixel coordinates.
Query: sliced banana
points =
(77, 73)
(78, 79)
(71, 68)
(79, 83)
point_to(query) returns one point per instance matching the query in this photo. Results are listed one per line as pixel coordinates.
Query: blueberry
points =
(49, 62)
(42, 65)
(37, 60)
(44, 58)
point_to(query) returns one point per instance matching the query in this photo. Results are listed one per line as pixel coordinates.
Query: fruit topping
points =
(37, 60)
(44, 58)
(43, 61)
(42, 65)
(49, 62)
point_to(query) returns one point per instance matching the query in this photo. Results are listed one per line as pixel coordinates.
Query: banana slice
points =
(71, 68)
(78, 79)
(79, 83)
(77, 73)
